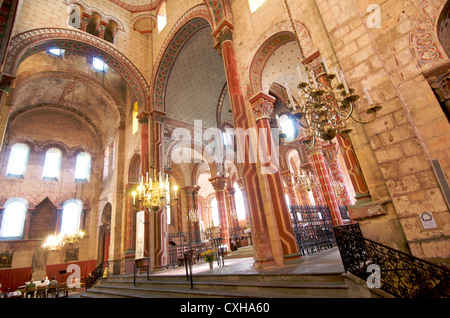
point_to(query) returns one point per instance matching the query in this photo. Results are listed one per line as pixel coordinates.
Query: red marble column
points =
(302, 195)
(160, 229)
(219, 184)
(191, 194)
(262, 107)
(232, 207)
(145, 155)
(316, 189)
(345, 144)
(330, 153)
(260, 234)
(289, 187)
(321, 170)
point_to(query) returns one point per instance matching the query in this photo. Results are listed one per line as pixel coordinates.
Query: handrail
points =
(94, 276)
(400, 274)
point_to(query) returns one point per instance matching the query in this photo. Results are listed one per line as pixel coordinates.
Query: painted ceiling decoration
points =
(39, 40)
(137, 5)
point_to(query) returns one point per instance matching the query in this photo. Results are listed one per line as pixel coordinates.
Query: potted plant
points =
(208, 256)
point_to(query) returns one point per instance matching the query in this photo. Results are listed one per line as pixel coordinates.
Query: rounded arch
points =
(426, 49)
(134, 170)
(30, 42)
(268, 43)
(193, 146)
(191, 22)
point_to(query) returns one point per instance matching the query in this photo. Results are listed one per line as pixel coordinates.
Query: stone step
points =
(261, 286)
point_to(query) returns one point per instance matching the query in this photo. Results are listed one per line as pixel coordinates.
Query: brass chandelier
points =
(321, 110)
(153, 193)
(57, 242)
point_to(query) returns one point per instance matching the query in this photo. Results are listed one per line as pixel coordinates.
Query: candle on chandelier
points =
(344, 81)
(337, 75)
(288, 90)
(299, 70)
(368, 96)
(325, 65)
(314, 79)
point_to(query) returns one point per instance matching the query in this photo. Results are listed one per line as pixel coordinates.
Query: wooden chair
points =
(52, 291)
(30, 292)
(41, 292)
(141, 264)
(62, 290)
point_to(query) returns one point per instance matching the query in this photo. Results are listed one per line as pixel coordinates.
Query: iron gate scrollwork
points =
(313, 228)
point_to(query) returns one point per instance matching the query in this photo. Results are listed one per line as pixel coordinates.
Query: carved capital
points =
(218, 183)
(262, 105)
(143, 118)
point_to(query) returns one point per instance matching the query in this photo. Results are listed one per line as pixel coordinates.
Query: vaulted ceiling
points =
(50, 87)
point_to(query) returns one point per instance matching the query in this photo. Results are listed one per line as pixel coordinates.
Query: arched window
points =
(288, 128)
(18, 159)
(240, 204)
(13, 220)
(83, 167)
(106, 163)
(52, 164)
(135, 125)
(255, 4)
(71, 216)
(215, 212)
(162, 17)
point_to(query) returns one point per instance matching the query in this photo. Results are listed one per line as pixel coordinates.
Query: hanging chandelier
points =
(153, 193)
(307, 181)
(321, 110)
(57, 242)
(193, 215)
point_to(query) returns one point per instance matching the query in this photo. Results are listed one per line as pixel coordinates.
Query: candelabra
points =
(152, 194)
(321, 110)
(307, 181)
(57, 242)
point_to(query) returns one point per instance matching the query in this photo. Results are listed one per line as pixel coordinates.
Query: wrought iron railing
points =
(399, 274)
(313, 228)
(94, 276)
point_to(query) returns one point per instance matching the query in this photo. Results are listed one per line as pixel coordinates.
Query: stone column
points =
(330, 153)
(351, 162)
(316, 189)
(193, 226)
(289, 187)
(6, 92)
(262, 106)
(145, 159)
(302, 195)
(219, 184)
(26, 226)
(263, 244)
(160, 240)
(321, 170)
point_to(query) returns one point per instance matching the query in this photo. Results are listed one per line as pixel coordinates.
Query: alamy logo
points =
(73, 281)
(374, 18)
(374, 279)
(242, 145)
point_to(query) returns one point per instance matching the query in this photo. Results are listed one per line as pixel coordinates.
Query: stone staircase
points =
(221, 286)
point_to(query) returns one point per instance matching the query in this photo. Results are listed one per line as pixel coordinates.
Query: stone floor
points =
(327, 261)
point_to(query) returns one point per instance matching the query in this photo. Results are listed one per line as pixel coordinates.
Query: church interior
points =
(219, 124)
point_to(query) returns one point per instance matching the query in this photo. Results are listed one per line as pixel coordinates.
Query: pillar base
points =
(264, 263)
(129, 261)
(293, 259)
(367, 208)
